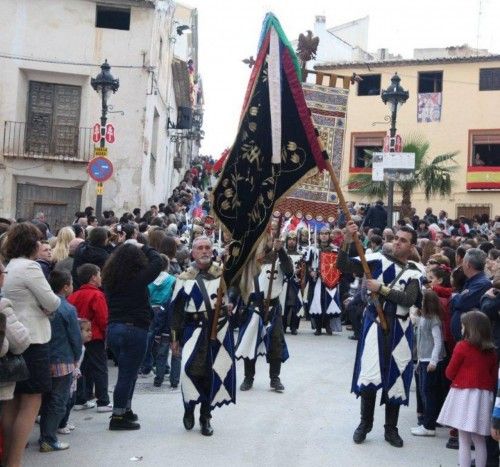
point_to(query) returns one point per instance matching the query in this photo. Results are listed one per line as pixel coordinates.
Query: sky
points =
(229, 31)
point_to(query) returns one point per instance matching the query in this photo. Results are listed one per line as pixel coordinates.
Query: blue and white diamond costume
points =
(208, 373)
(385, 361)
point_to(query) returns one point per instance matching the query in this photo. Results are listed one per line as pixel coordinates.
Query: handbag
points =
(13, 368)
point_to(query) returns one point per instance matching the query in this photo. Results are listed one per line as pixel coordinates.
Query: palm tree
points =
(433, 176)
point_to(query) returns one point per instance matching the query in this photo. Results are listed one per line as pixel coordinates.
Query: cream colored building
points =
(49, 51)
(454, 104)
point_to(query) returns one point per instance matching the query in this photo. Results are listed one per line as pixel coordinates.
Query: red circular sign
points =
(100, 169)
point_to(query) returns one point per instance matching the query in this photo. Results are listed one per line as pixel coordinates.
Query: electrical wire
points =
(62, 62)
(25, 168)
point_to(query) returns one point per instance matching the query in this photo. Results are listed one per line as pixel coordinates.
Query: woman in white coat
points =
(16, 337)
(32, 298)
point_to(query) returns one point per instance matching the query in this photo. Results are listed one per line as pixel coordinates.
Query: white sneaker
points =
(86, 406)
(64, 431)
(105, 408)
(422, 431)
(70, 426)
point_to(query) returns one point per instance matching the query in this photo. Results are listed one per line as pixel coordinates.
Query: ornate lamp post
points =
(395, 96)
(104, 84)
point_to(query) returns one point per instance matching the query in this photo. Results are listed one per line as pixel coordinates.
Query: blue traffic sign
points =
(100, 169)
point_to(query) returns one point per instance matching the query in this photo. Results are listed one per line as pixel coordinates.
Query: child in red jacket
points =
(90, 303)
(472, 371)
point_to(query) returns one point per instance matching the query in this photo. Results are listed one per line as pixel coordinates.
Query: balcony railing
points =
(58, 142)
(483, 177)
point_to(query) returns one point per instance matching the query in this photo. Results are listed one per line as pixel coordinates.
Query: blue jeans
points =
(53, 408)
(94, 374)
(69, 406)
(128, 344)
(429, 384)
(150, 358)
(163, 348)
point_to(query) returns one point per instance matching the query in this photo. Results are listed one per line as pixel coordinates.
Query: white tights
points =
(464, 452)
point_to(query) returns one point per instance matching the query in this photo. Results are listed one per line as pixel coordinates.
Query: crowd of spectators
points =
(99, 288)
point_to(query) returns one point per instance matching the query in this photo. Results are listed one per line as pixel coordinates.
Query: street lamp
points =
(395, 96)
(104, 84)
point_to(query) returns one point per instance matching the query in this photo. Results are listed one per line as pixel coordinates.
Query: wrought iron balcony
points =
(55, 142)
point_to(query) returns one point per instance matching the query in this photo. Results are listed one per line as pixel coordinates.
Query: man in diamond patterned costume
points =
(260, 334)
(324, 307)
(208, 375)
(293, 300)
(384, 359)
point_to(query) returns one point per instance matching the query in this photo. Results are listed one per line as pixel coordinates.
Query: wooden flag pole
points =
(218, 304)
(357, 242)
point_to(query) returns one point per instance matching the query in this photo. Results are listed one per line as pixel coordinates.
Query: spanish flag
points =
(483, 178)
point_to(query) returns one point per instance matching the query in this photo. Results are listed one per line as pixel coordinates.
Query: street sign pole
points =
(390, 188)
(102, 144)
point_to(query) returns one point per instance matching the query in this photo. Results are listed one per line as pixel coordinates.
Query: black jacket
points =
(376, 217)
(129, 303)
(491, 307)
(87, 253)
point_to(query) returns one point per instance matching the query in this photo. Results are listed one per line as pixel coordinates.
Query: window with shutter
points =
(53, 119)
(489, 79)
(362, 142)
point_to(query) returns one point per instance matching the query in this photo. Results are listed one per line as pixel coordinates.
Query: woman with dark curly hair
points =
(32, 298)
(125, 280)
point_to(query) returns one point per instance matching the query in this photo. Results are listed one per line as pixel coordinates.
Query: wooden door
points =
(58, 204)
(66, 120)
(53, 119)
(39, 124)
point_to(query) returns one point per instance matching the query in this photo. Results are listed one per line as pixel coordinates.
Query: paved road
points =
(310, 424)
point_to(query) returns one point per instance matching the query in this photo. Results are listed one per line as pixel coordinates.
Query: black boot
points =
(249, 368)
(121, 422)
(247, 384)
(274, 374)
(391, 425)
(188, 419)
(206, 428)
(366, 424)
(129, 415)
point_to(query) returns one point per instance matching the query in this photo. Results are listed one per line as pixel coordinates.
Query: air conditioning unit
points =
(178, 163)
